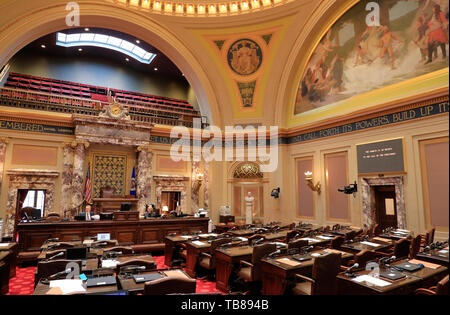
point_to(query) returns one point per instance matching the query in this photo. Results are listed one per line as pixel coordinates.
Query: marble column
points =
(67, 179)
(78, 178)
(144, 177)
(3, 144)
(195, 169)
(206, 185)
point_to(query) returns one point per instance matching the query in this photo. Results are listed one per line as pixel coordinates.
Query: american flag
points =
(88, 187)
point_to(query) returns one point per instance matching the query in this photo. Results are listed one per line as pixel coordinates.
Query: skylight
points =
(105, 41)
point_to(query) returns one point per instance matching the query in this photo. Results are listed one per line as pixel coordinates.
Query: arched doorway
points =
(49, 19)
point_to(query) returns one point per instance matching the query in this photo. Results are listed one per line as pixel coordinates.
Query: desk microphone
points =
(101, 244)
(258, 241)
(57, 255)
(306, 249)
(113, 254)
(132, 268)
(56, 275)
(349, 270)
(272, 254)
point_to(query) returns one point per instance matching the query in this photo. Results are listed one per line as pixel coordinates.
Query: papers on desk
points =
(243, 239)
(370, 244)
(109, 263)
(443, 251)
(208, 235)
(386, 240)
(88, 242)
(198, 243)
(289, 262)
(4, 245)
(325, 237)
(186, 236)
(371, 280)
(68, 286)
(401, 230)
(316, 254)
(279, 244)
(425, 263)
(310, 239)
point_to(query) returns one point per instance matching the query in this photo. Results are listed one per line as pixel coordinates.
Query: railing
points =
(70, 105)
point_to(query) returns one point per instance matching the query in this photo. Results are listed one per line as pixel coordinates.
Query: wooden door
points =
(386, 206)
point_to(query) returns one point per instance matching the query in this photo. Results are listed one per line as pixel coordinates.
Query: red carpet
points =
(23, 282)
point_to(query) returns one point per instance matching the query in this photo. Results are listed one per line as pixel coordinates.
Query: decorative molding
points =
(170, 177)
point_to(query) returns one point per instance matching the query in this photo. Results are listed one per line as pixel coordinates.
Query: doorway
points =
(385, 206)
(171, 199)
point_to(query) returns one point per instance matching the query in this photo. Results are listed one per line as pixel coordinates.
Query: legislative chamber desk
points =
(145, 231)
(14, 249)
(376, 244)
(278, 272)
(435, 256)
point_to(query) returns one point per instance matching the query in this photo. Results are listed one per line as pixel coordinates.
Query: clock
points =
(115, 110)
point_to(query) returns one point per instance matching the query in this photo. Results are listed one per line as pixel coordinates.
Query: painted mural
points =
(363, 52)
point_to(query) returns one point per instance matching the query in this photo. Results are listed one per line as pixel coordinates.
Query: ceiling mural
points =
(360, 54)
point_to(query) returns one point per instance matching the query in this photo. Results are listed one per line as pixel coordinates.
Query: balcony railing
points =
(139, 111)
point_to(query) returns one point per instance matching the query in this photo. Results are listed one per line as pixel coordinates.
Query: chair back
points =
(365, 256)
(123, 249)
(351, 235)
(337, 242)
(297, 244)
(327, 229)
(429, 237)
(170, 285)
(376, 230)
(61, 245)
(442, 286)
(415, 246)
(401, 248)
(28, 211)
(107, 192)
(47, 268)
(325, 270)
(259, 252)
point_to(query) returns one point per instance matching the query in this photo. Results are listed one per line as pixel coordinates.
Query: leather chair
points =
(401, 249)
(251, 272)
(363, 257)
(323, 281)
(47, 268)
(440, 289)
(292, 234)
(28, 211)
(53, 217)
(428, 238)
(123, 249)
(326, 229)
(376, 230)
(337, 242)
(208, 260)
(415, 246)
(351, 235)
(297, 244)
(136, 262)
(170, 285)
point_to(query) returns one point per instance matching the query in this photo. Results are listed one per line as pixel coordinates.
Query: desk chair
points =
(362, 258)
(47, 268)
(323, 281)
(440, 289)
(53, 217)
(297, 244)
(208, 260)
(4, 277)
(428, 238)
(351, 235)
(415, 246)
(337, 242)
(170, 285)
(292, 234)
(401, 249)
(251, 272)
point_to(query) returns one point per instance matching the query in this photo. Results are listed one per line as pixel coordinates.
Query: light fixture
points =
(156, 69)
(138, 41)
(87, 29)
(197, 180)
(309, 182)
(127, 59)
(43, 46)
(80, 49)
(275, 193)
(105, 41)
(165, 210)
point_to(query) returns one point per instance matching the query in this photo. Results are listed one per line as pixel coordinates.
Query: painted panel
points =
(34, 155)
(336, 177)
(305, 198)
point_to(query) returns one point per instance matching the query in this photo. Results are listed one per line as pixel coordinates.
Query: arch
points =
(16, 34)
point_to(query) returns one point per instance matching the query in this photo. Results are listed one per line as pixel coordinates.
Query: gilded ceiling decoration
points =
(247, 170)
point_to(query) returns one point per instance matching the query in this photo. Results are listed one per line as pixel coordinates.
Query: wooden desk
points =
(346, 231)
(14, 249)
(278, 272)
(396, 235)
(113, 204)
(42, 289)
(126, 258)
(246, 232)
(171, 243)
(127, 283)
(436, 256)
(225, 258)
(359, 246)
(193, 251)
(421, 278)
(276, 236)
(4, 271)
(316, 241)
(144, 231)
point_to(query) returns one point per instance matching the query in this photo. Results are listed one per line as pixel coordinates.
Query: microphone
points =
(257, 241)
(113, 254)
(306, 249)
(349, 270)
(57, 255)
(426, 248)
(132, 268)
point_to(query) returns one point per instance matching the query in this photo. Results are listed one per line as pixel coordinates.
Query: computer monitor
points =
(36, 213)
(76, 253)
(125, 207)
(103, 236)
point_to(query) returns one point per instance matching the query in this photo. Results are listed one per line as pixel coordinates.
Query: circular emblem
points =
(244, 57)
(115, 110)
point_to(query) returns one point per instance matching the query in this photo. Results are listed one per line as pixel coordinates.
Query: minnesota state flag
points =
(133, 183)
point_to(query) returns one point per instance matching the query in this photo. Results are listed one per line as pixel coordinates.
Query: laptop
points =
(147, 277)
(301, 257)
(101, 281)
(392, 275)
(408, 266)
(77, 253)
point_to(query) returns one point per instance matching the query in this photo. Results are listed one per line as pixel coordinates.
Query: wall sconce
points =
(309, 182)
(197, 181)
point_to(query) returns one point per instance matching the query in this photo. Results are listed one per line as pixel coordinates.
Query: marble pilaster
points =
(144, 177)
(206, 185)
(195, 169)
(79, 156)
(67, 179)
(3, 144)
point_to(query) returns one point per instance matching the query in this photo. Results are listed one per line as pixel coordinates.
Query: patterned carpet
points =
(23, 282)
